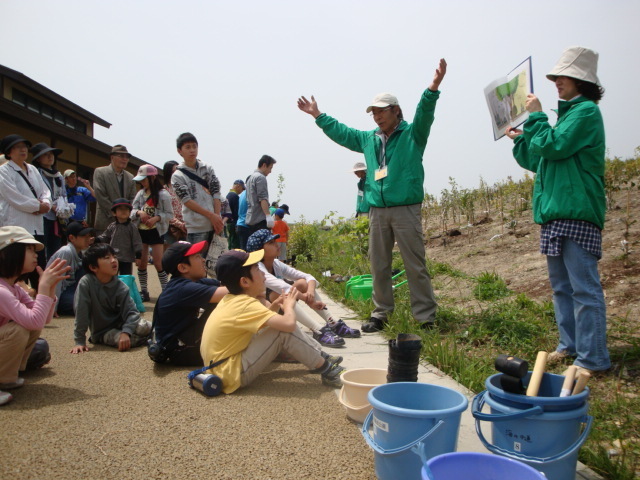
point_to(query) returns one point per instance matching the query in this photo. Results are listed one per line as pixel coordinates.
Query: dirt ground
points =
(110, 415)
(489, 246)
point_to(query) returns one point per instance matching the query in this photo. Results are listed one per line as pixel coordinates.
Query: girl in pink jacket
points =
(22, 317)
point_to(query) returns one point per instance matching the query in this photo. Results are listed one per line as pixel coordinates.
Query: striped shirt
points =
(585, 234)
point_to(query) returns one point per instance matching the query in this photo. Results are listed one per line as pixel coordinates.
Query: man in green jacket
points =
(394, 191)
(569, 203)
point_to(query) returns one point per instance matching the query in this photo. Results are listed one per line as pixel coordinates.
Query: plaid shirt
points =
(585, 234)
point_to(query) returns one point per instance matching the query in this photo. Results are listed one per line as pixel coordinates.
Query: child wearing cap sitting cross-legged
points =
(103, 305)
(247, 333)
(333, 331)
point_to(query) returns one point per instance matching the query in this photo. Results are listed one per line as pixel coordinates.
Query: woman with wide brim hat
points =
(24, 197)
(44, 159)
(21, 317)
(569, 160)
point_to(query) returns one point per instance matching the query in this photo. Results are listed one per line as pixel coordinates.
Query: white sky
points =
(230, 72)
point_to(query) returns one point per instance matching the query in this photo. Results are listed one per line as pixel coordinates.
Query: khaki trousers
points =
(16, 343)
(403, 225)
(268, 343)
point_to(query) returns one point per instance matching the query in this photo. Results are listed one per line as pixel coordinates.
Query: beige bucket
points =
(355, 388)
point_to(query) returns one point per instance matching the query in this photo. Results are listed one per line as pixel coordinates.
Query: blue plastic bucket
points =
(478, 466)
(410, 418)
(545, 432)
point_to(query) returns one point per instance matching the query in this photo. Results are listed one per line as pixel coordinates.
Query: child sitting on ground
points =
(280, 227)
(22, 317)
(334, 330)
(177, 320)
(79, 238)
(124, 236)
(246, 332)
(104, 306)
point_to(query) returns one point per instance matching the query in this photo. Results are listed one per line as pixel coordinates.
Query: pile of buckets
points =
(413, 427)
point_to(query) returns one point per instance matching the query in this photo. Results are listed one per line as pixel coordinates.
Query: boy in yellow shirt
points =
(247, 331)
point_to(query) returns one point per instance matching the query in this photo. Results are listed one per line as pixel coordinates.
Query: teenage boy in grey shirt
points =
(258, 215)
(200, 204)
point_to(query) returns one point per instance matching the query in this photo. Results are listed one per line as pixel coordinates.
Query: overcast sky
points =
(230, 72)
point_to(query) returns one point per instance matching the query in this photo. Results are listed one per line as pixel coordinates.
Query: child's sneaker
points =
(335, 359)
(5, 398)
(331, 377)
(327, 338)
(343, 330)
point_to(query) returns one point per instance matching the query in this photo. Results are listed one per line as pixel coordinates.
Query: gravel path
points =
(105, 414)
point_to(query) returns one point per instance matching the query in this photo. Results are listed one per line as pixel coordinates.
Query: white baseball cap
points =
(382, 100)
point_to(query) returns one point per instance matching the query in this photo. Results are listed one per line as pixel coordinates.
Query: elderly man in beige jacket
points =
(112, 182)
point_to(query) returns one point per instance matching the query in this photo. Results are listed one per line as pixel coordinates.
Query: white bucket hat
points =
(577, 62)
(9, 235)
(382, 100)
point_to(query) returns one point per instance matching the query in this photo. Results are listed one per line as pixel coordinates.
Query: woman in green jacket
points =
(569, 203)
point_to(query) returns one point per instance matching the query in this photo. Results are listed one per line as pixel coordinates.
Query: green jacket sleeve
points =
(341, 134)
(523, 156)
(573, 133)
(422, 121)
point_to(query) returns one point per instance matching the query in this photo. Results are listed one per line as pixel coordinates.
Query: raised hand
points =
(441, 71)
(52, 275)
(533, 104)
(310, 107)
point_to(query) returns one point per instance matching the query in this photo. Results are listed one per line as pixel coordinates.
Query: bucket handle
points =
(392, 451)
(343, 402)
(586, 419)
(478, 403)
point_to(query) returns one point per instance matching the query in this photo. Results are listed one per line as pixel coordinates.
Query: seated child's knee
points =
(143, 328)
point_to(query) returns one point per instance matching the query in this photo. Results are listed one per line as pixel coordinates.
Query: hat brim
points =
(85, 231)
(139, 178)
(254, 257)
(128, 205)
(14, 143)
(32, 241)
(196, 248)
(379, 105)
(56, 152)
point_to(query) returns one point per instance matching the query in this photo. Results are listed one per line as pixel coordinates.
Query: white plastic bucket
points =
(356, 384)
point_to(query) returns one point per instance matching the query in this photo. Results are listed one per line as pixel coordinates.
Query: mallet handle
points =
(583, 378)
(536, 375)
(569, 378)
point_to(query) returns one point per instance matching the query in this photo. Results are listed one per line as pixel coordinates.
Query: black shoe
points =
(373, 325)
(427, 325)
(144, 294)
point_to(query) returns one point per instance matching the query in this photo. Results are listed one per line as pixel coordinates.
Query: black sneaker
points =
(331, 378)
(144, 294)
(374, 325)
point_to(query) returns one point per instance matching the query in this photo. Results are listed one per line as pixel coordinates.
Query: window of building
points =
(36, 106)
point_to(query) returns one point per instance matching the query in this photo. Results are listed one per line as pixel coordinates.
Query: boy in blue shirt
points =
(178, 323)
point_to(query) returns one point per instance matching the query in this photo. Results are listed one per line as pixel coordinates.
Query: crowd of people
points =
(52, 262)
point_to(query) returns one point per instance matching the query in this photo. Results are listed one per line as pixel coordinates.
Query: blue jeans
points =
(199, 237)
(579, 305)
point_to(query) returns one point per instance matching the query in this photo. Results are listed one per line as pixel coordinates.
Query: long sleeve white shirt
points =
(17, 202)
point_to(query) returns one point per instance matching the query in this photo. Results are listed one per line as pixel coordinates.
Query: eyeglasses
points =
(380, 110)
